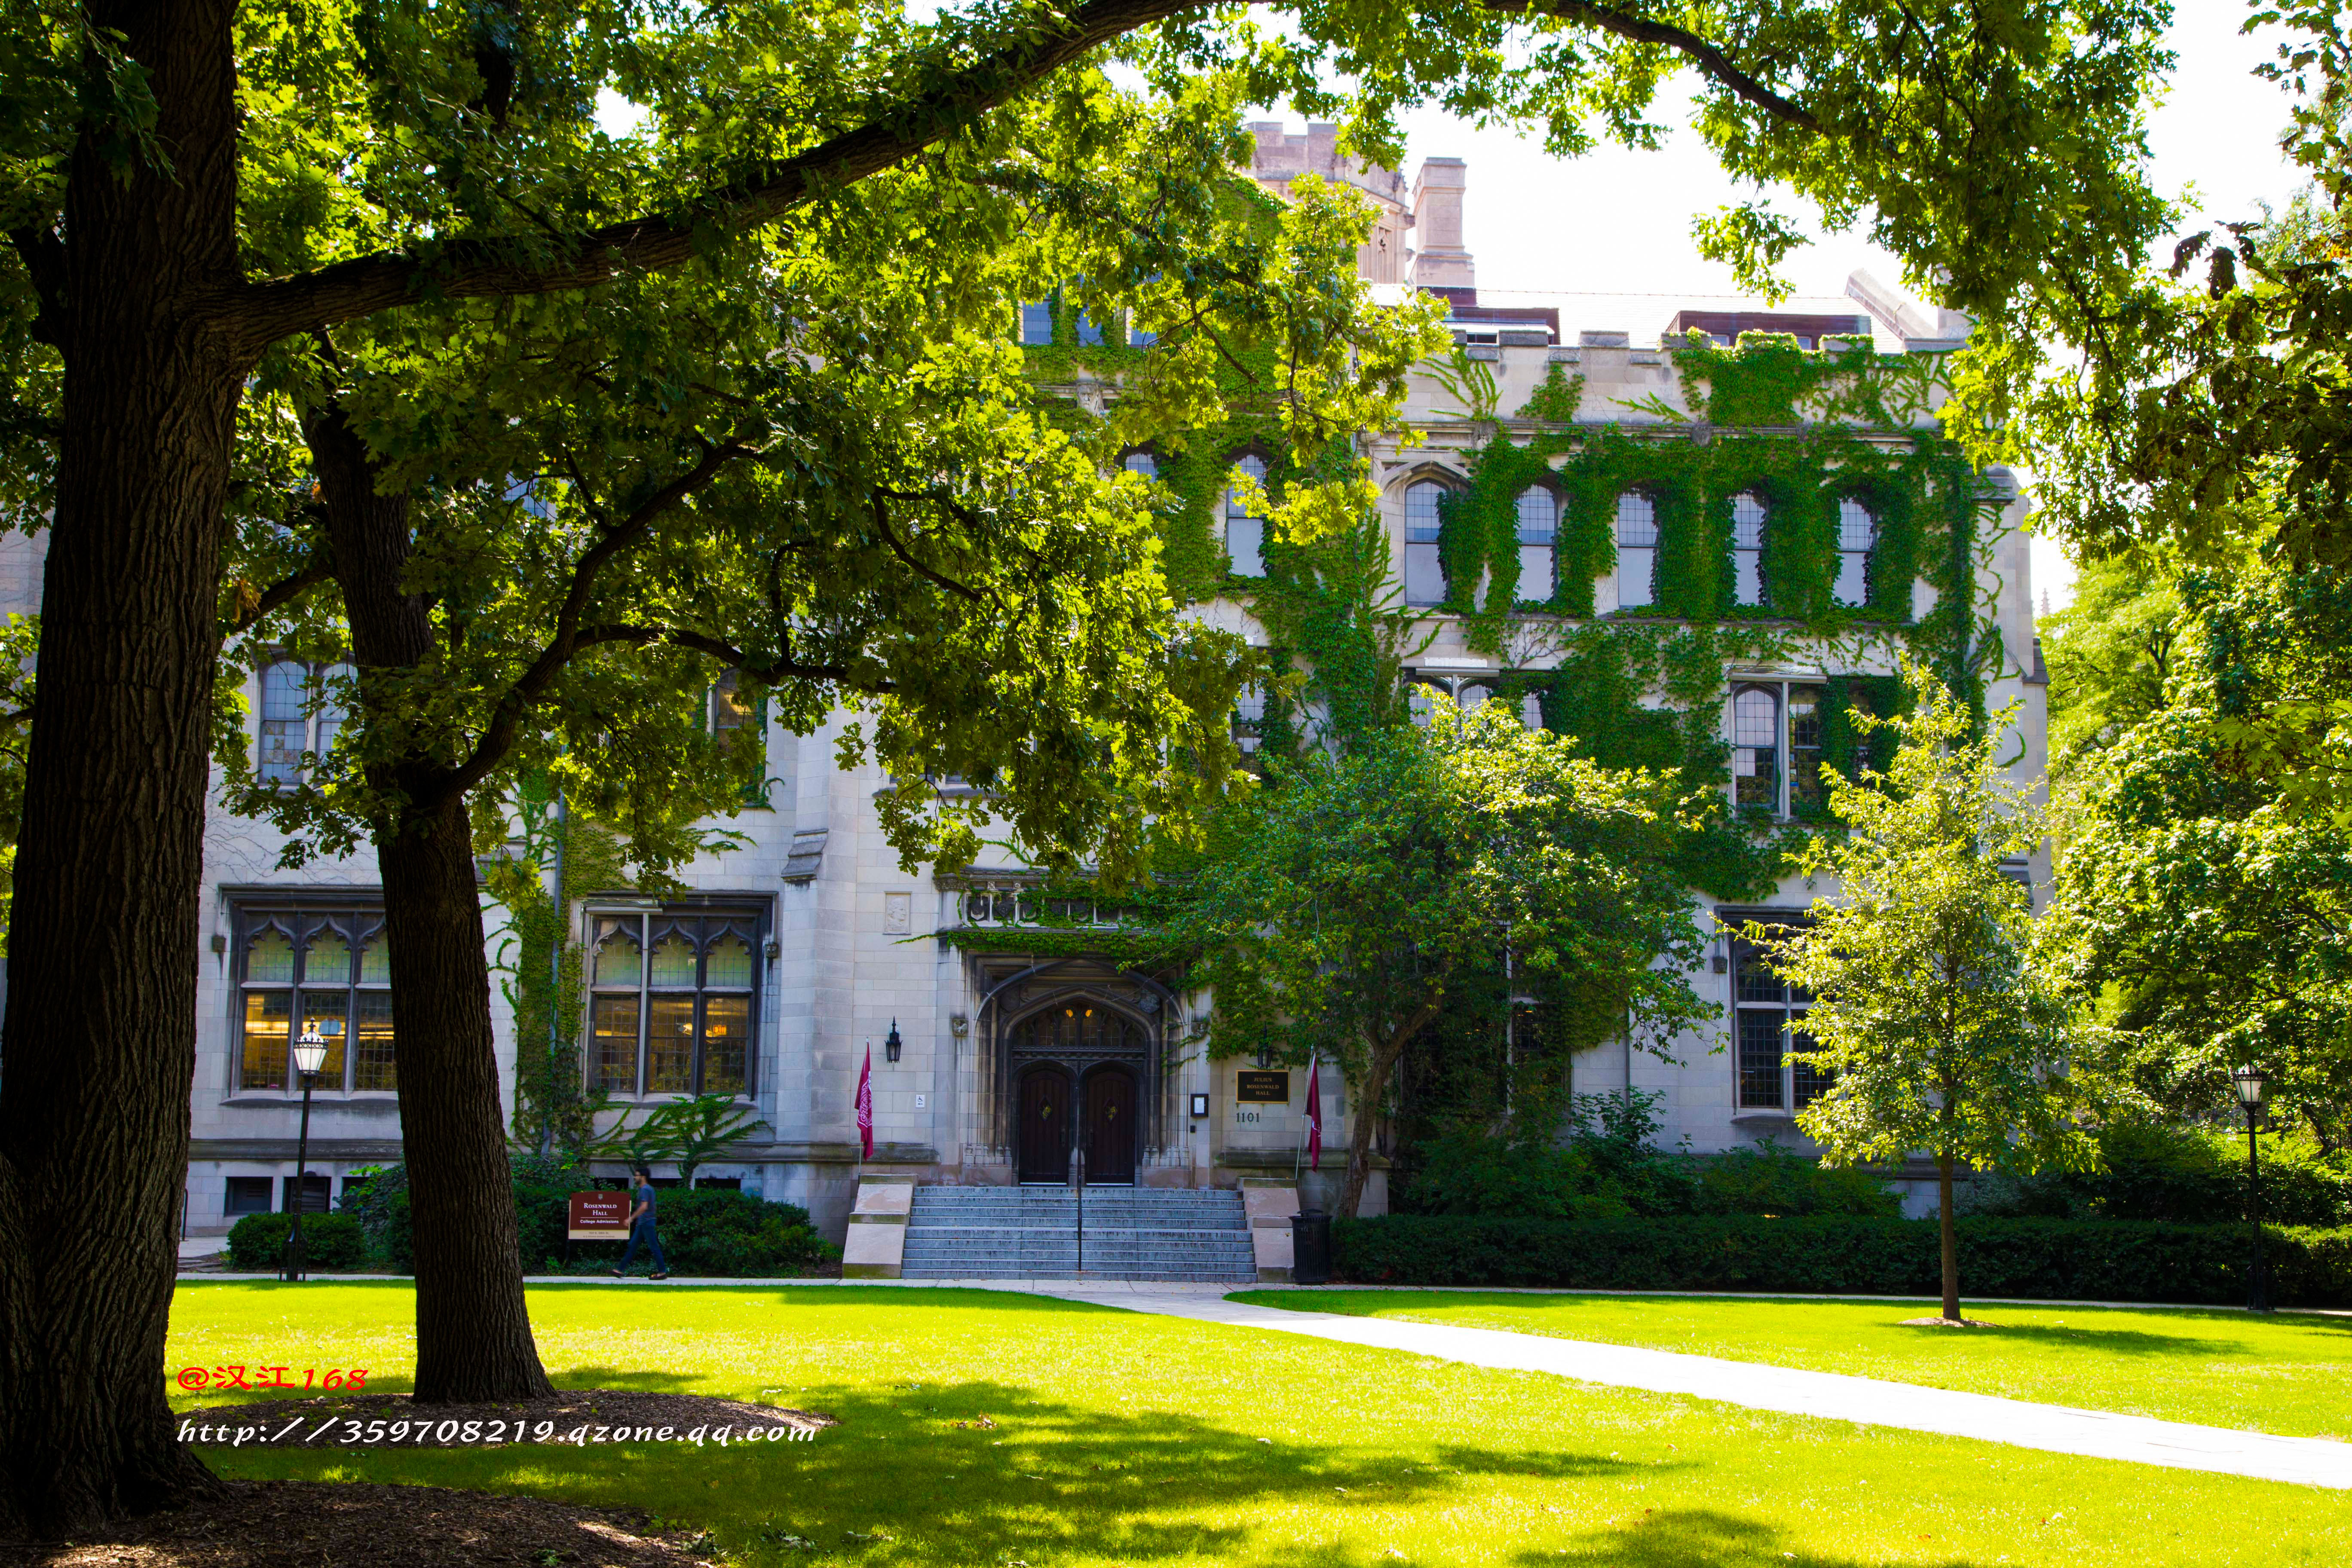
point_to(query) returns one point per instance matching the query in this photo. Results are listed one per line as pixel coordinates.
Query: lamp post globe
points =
(309, 1056)
(2252, 1085)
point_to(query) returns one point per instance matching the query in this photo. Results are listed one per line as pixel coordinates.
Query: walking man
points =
(641, 1227)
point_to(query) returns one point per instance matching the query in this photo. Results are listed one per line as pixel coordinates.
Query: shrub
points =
(723, 1235)
(331, 1242)
(1772, 1181)
(1605, 1167)
(2114, 1260)
(2186, 1175)
(709, 1231)
(380, 1206)
(1608, 1167)
(715, 1232)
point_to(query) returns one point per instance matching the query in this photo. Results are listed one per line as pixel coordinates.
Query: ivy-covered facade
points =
(1707, 550)
(1705, 554)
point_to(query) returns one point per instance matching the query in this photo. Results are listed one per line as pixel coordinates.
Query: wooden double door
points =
(1100, 1110)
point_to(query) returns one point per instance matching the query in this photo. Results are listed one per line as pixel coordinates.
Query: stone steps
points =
(1033, 1233)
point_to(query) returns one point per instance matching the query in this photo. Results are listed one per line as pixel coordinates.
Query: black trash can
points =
(1310, 1248)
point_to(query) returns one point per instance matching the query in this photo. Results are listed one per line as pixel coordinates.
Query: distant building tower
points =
(1281, 157)
(1441, 262)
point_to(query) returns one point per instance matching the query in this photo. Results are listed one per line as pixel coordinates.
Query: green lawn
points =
(2289, 1374)
(1132, 1441)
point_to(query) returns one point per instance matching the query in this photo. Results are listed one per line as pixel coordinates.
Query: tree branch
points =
(1708, 56)
(780, 669)
(891, 537)
(489, 269)
(506, 719)
(282, 593)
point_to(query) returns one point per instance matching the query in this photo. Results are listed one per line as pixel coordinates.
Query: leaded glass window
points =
(1637, 549)
(1424, 570)
(1805, 745)
(673, 1004)
(1771, 1015)
(1748, 549)
(325, 969)
(301, 711)
(1244, 530)
(1539, 529)
(1756, 747)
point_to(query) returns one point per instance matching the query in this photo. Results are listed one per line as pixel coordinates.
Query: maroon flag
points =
(866, 1107)
(1314, 1116)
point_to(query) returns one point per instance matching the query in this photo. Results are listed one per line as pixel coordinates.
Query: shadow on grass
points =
(1701, 1538)
(2106, 1342)
(900, 1483)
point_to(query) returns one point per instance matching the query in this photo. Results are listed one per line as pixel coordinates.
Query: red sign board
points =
(600, 1216)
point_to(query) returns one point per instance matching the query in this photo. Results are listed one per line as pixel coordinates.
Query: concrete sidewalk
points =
(2058, 1428)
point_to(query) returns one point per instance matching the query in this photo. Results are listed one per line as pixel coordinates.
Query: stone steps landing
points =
(1033, 1232)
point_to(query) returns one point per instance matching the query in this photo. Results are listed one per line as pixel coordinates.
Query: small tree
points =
(1940, 1011)
(1348, 905)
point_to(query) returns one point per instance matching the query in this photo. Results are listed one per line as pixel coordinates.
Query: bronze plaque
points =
(1259, 1088)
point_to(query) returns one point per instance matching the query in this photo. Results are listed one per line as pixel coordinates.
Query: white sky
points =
(1618, 222)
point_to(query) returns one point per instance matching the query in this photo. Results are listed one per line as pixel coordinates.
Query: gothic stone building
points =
(794, 957)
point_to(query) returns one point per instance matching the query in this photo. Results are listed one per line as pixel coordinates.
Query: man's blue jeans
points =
(642, 1232)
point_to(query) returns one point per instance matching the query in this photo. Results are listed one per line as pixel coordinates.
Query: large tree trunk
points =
(99, 1040)
(473, 1332)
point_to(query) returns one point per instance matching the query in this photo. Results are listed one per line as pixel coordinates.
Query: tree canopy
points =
(1361, 892)
(1940, 1011)
(194, 192)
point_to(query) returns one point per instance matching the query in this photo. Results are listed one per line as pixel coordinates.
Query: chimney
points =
(1441, 262)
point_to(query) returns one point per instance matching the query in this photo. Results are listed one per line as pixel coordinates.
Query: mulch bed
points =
(353, 1524)
(583, 1416)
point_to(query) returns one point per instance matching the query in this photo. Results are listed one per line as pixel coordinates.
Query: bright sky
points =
(1618, 222)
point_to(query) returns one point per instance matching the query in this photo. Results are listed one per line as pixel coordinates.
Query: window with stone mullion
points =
(1769, 1025)
(673, 1002)
(329, 972)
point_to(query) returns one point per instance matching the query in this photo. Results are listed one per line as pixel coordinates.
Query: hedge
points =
(332, 1242)
(2108, 1260)
(709, 1231)
(720, 1234)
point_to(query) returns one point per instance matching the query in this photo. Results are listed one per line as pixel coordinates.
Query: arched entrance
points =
(1077, 1065)
(1110, 1094)
(1044, 1129)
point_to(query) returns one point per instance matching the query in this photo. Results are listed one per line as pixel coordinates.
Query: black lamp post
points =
(2252, 1083)
(309, 1056)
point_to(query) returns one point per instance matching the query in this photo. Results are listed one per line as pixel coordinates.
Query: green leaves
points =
(1939, 1007)
(1347, 904)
